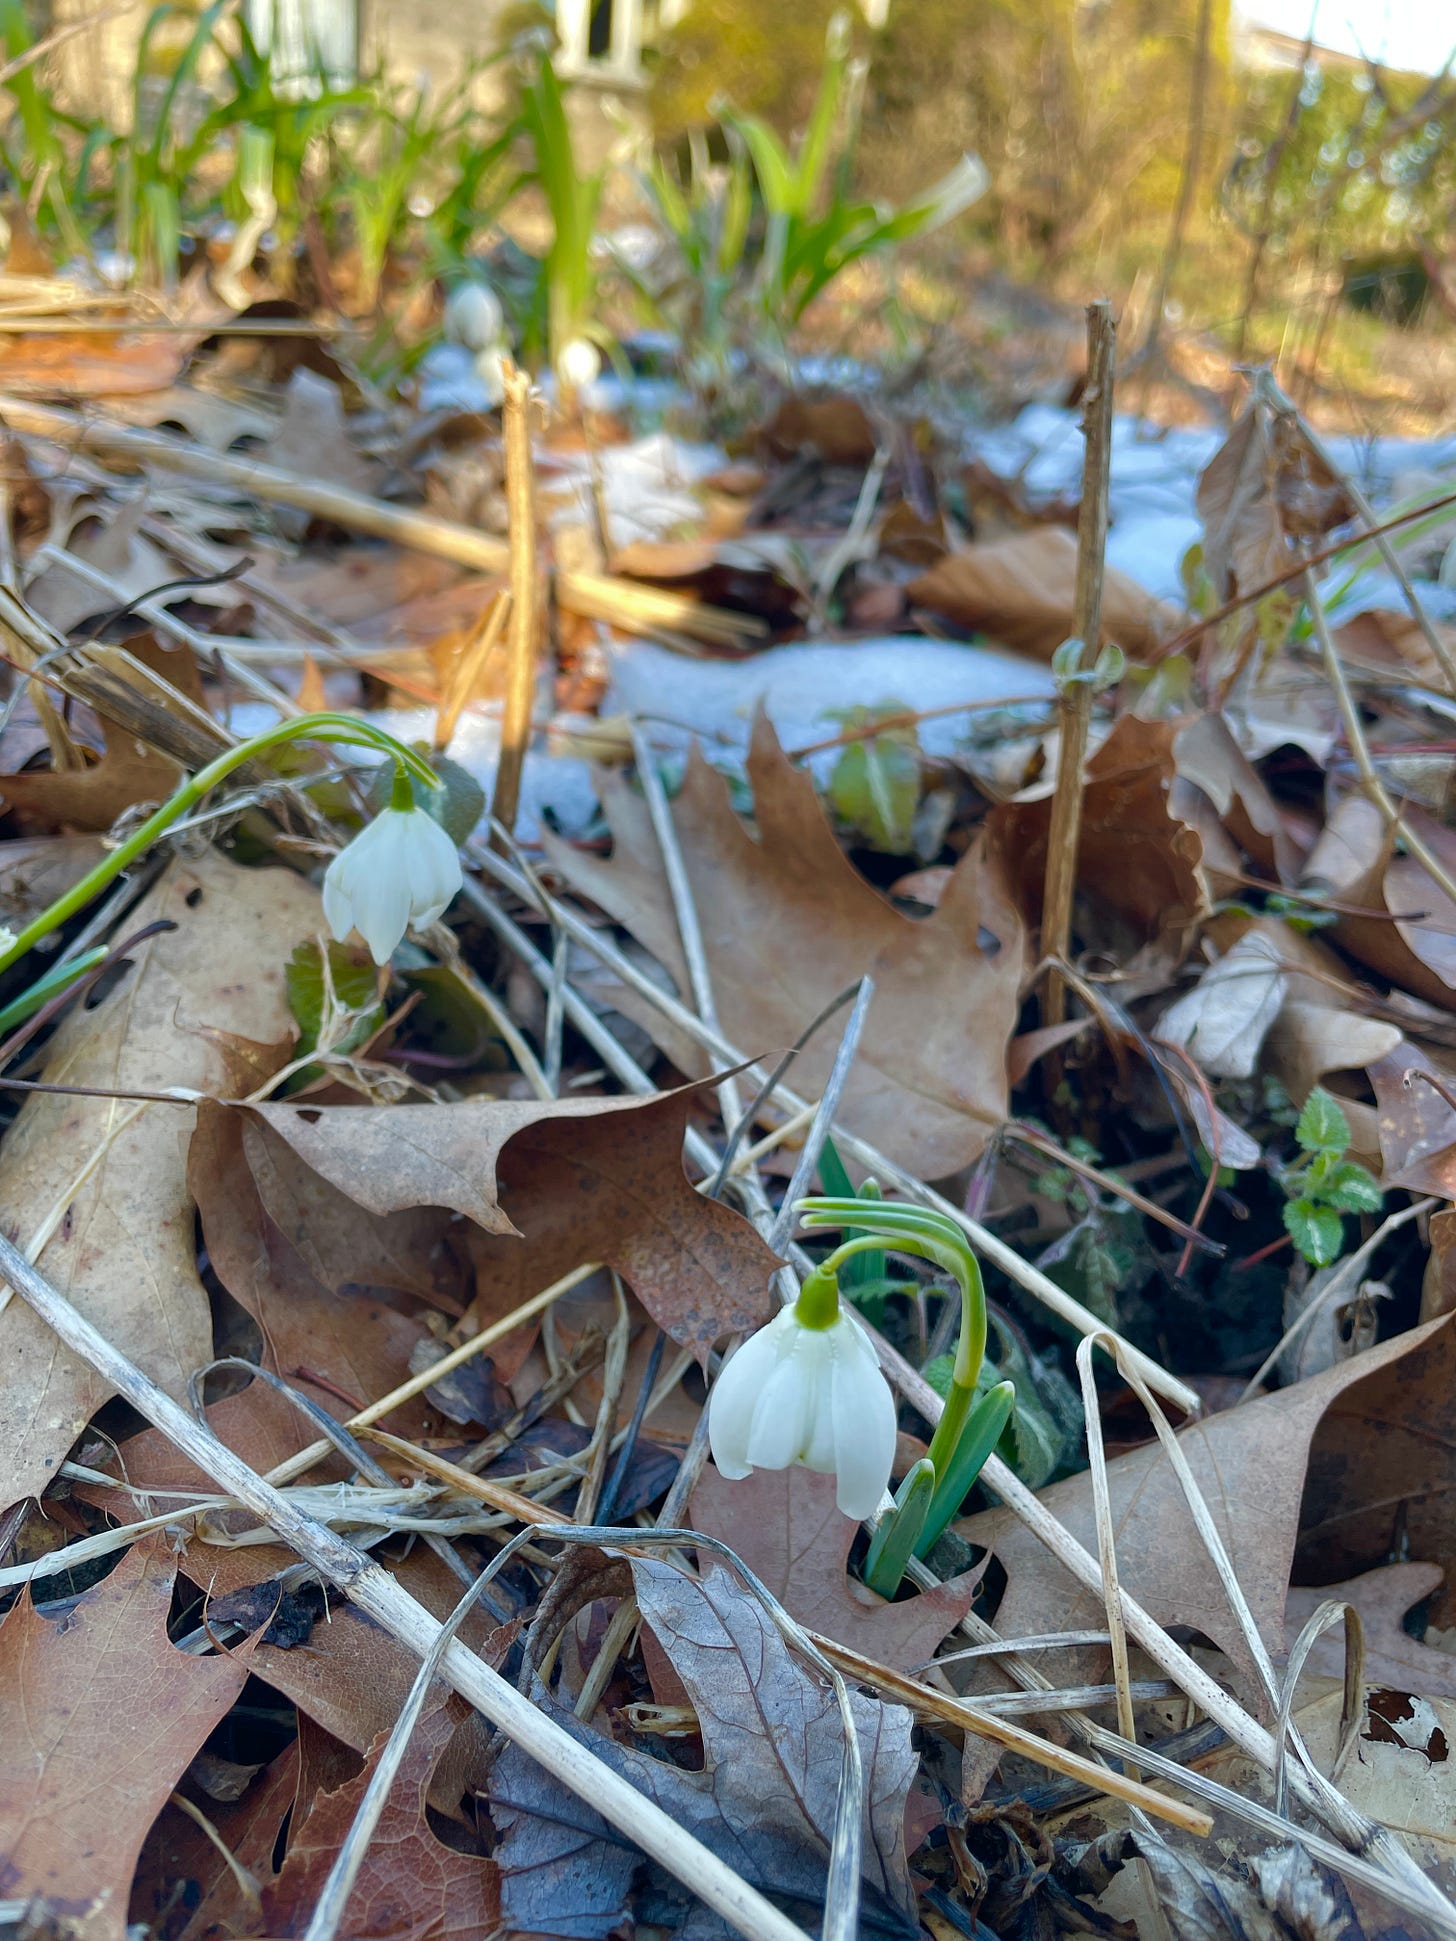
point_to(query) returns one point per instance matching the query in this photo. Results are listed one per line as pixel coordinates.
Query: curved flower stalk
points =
(343, 729)
(808, 1389)
(969, 1429)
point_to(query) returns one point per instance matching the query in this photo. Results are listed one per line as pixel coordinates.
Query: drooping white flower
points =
(401, 868)
(473, 317)
(812, 1395)
(579, 364)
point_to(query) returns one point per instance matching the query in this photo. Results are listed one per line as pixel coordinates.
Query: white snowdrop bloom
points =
(402, 868)
(490, 369)
(473, 316)
(579, 364)
(814, 1395)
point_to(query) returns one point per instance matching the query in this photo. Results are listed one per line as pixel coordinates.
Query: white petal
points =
(338, 906)
(781, 1418)
(435, 869)
(864, 1429)
(820, 1347)
(735, 1397)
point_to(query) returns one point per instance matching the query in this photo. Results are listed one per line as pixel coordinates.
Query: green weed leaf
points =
(1322, 1125)
(1316, 1231)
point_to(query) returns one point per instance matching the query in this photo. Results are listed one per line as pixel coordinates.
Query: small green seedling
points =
(1326, 1184)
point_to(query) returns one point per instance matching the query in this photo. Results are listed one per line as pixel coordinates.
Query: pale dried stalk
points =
(467, 669)
(967, 1713)
(1106, 1541)
(1074, 701)
(884, 1168)
(1370, 780)
(380, 1597)
(525, 618)
(1352, 1827)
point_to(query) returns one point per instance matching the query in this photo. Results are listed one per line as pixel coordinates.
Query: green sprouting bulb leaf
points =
(862, 1276)
(1322, 1125)
(899, 1530)
(1317, 1231)
(1351, 1189)
(983, 1430)
(874, 786)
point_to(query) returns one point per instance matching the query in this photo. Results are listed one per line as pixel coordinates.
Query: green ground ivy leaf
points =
(1322, 1125)
(1351, 1189)
(457, 805)
(1315, 1230)
(875, 784)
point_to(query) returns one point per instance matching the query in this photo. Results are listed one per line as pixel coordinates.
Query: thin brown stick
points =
(525, 600)
(1075, 699)
(468, 668)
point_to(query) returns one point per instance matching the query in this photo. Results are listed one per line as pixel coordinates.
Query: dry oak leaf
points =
(1136, 858)
(326, 1341)
(764, 1800)
(1382, 1597)
(99, 1717)
(1251, 1463)
(180, 1867)
(1021, 591)
(1383, 1461)
(124, 1251)
(587, 1179)
(411, 1887)
(1417, 1124)
(1208, 757)
(785, 1526)
(788, 923)
(1262, 487)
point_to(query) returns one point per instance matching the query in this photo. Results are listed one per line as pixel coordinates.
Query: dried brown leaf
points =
(1392, 1656)
(764, 1800)
(99, 1716)
(1021, 590)
(1251, 1464)
(124, 1251)
(411, 1887)
(586, 1179)
(788, 923)
(1136, 859)
(785, 1526)
(1417, 1124)
(1262, 487)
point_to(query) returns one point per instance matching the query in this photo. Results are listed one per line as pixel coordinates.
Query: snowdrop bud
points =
(402, 868)
(473, 316)
(808, 1390)
(579, 364)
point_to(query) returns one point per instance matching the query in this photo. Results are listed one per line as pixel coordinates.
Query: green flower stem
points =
(342, 728)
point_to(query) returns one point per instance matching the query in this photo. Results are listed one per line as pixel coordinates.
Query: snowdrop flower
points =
(402, 868)
(473, 317)
(808, 1389)
(579, 364)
